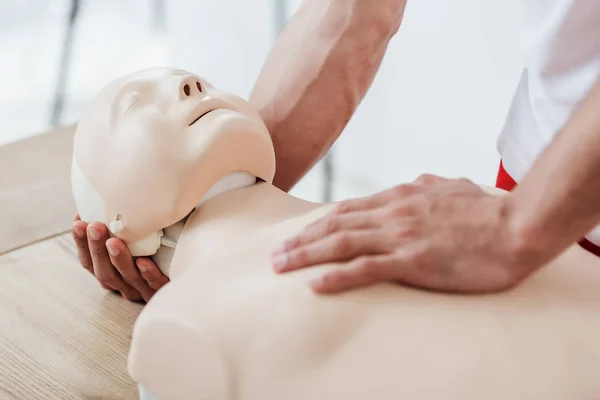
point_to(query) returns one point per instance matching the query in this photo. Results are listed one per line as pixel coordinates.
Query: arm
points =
(558, 202)
(449, 235)
(314, 78)
(316, 75)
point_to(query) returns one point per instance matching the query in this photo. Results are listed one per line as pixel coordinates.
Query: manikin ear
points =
(90, 207)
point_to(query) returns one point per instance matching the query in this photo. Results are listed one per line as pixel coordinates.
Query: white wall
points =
(437, 103)
(440, 97)
(30, 32)
(112, 38)
(439, 100)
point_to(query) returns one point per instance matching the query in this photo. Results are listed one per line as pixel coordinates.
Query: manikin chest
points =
(267, 336)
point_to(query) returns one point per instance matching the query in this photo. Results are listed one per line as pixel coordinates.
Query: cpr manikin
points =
(183, 172)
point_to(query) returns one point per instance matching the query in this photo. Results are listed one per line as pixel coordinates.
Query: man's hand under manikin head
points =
(109, 260)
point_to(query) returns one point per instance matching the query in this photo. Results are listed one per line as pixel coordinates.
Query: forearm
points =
(316, 75)
(558, 202)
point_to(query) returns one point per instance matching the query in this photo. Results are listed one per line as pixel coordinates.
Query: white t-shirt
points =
(561, 51)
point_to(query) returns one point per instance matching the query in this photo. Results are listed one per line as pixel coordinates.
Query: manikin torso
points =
(228, 327)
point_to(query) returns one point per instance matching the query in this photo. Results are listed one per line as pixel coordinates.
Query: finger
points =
(104, 271)
(328, 226)
(123, 262)
(379, 199)
(81, 243)
(96, 237)
(340, 246)
(151, 273)
(360, 204)
(429, 180)
(363, 271)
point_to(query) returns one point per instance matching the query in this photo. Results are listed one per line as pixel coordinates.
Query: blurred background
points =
(437, 103)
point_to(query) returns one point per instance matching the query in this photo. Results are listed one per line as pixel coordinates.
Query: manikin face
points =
(154, 142)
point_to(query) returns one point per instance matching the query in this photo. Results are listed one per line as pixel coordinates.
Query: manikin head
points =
(154, 144)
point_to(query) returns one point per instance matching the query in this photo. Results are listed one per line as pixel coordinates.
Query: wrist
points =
(529, 247)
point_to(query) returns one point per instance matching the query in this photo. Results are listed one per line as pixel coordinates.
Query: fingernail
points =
(94, 233)
(78, 231)
(279, 261)
(112, 251)
(141, 267)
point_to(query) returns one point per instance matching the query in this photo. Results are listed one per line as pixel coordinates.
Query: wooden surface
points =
(61, 335)
(35, 188)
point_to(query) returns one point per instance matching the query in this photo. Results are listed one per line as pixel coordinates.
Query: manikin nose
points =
(189, 87)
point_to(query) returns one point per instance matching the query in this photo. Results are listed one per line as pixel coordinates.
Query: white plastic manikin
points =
(150, 162)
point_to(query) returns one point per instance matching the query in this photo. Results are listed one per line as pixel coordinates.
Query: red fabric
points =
(504, 181)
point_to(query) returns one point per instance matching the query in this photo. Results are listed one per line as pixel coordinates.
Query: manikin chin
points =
(182, 172)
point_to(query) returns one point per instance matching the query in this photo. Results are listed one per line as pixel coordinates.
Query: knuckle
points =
(332, 224)
(98, 249)
(80, 239)
(81, 243)
(86, 263)
(465, 181)
(156, 283)
(88, 266)
(134, 281)
(363, 264)
(300, 256)
(368, 269)
(343, 208)
(401, 234)
(151, 274)
(134, 297)
(371, 273)
(407, 230)
(396, 210)
(153, 283)
(426, 179)
(404, 189)
(124, 263)
(341, 243)
(398, 190)
(108, 280)
(417, 254)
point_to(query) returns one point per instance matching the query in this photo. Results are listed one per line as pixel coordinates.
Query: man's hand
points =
(111, 263)
(435, 233)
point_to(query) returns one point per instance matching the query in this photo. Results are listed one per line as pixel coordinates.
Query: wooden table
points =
(61, 335)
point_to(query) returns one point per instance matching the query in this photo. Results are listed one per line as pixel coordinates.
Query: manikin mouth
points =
(201, 115)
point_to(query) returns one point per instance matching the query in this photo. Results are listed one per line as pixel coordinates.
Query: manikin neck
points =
(252, 207)
(228, 183)
(261, 204)
(259, 200)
